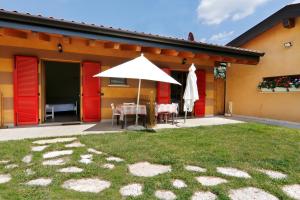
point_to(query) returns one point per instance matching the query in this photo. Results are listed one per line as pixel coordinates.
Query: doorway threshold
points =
(61, 123)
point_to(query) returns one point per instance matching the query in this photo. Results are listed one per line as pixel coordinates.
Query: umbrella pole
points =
(137, 104)
(185, 114)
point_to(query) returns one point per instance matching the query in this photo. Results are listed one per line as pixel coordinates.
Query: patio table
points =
(125, 110)
(167, 109)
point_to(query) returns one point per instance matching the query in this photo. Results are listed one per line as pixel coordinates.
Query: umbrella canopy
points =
(138, 68)
(191, 90)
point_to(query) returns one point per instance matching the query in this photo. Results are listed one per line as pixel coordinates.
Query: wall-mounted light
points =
(288, 44)
(60, 48)
(183, 61)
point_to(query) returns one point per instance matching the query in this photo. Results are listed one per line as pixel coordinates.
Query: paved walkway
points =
(105, 127)
(99, 128)
(208, 121)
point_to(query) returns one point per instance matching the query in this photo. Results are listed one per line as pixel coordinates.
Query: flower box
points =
(266, 90)
(294, 89)
(280, 89)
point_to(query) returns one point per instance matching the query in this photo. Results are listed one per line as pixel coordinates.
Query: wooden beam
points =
(1, 31)
(216, 58)
(15, 33)
(130, 47)
(202, 56)
(91, 43)
(229, 59)
(151, 50)
(44, 37)
(66, 40)
(111, 45)
(169, 52)
(186, 54)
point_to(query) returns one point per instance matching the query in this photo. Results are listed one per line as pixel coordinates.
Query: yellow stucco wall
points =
(242, 80)
(78, 51)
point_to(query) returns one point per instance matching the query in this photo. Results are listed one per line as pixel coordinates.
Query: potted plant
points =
(265, 86)
(282, 84)
(295, 85)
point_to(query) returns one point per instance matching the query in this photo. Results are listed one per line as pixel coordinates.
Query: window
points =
(118, 81)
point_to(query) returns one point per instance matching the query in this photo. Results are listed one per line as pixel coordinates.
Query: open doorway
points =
(177, 91)
(62, 91)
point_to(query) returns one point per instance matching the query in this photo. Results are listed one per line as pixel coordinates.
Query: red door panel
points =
(26, 100)
(199, 106)
(91, 92)
(163, 95)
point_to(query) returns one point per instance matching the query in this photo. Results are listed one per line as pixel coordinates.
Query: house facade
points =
(277, 73)
(47, 61)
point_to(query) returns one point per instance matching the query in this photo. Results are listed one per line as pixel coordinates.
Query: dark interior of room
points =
(62, 91)
(177, 91)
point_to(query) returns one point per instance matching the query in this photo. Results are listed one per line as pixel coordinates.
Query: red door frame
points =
(28, 112)
(163, 91)
(91, 94)
(199, 107)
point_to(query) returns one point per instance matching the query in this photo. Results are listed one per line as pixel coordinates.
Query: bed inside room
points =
(62, 91)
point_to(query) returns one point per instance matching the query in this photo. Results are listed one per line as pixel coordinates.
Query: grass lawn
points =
(245, 146)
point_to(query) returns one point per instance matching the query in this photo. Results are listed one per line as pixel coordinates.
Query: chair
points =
(49, 111)
(114, 113)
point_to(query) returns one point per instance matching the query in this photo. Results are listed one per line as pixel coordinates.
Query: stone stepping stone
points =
(108, 166)
(204, 196)
(250, 193)
(55, 140)
(146, 169)
(74, 145)
(11, 166)
(193, 168)
(132, 190)
(233, 172)
(70, 170)
(53, 154)
(40, 182)
(91, 150)
(86, 158)
(177, 183)
(4, 161)
(114, 159)
(210, 180)
(39, 148)
(273, 174)
(4, 178)
(55, 162)
(292, 191)
(165, 195)
(92, 185)
(29, 172)
(27, 159)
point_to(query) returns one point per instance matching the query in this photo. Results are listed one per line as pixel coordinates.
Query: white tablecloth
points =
(166, 108)
(130, 110)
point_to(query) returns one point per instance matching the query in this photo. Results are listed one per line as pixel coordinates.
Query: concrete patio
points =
(99, 128)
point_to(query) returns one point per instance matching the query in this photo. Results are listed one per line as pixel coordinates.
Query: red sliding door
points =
(163, 95)
(200, 104)
(91, 104)
(26, 94)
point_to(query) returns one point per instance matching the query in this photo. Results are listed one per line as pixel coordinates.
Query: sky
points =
(211, 21)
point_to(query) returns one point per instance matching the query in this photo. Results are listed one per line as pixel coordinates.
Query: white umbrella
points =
(191, 91)
(139, 68)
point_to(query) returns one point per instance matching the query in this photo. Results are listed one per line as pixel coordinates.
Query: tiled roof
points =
(119, 30)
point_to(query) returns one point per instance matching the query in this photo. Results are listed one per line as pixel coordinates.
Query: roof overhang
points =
(16, 20)
(289, 11)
